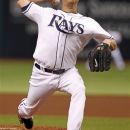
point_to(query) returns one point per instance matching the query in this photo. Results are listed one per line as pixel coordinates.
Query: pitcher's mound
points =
(18, 127)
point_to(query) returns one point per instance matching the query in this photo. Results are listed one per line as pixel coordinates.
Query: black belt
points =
(61, 71)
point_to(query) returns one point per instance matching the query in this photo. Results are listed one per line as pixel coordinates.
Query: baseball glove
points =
(100, 58)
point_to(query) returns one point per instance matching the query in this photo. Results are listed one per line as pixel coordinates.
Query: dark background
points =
(18, 35)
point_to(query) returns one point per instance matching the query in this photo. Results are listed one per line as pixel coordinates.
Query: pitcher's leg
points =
(29, 105)
(41, 86)
(25, 111)
(72, 83)
(35, 97)
(76, 110)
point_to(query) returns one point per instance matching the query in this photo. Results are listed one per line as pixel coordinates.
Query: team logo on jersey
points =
(65, 26)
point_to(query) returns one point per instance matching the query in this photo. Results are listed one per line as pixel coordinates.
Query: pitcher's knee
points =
(23, 110)
(80, 95)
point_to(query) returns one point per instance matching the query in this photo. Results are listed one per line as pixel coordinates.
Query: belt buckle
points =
(42, 68)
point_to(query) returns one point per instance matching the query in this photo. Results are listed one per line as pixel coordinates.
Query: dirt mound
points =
(102, 106)
(18, 127)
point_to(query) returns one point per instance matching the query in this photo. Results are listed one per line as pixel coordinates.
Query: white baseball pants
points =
(42, 84)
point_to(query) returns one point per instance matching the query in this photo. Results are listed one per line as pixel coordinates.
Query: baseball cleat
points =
(28, 123)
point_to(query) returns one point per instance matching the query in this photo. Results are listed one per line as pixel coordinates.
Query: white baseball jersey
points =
(61, 36)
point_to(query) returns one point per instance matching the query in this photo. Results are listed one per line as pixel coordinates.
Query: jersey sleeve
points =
(33, 12)
(97, 32)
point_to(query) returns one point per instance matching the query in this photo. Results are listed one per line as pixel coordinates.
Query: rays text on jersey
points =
(65, 26)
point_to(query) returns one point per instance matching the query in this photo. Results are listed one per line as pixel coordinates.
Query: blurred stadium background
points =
(18, 38)
(18, 34)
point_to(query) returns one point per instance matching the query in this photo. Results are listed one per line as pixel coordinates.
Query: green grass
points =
(14, 76)
(90, 123)
(113, 82)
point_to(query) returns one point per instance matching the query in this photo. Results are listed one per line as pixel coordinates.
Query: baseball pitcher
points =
(62, 35)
